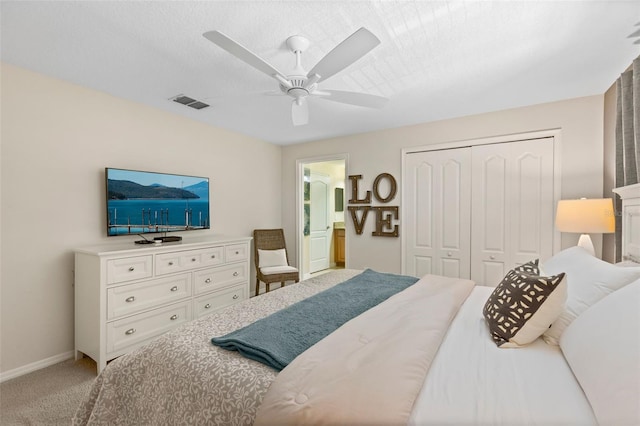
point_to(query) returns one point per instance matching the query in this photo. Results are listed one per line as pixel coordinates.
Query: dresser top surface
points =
(130, 248)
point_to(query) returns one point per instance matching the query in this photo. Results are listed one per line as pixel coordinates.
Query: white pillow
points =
(589, 279)
(602, 347)
(268, 258)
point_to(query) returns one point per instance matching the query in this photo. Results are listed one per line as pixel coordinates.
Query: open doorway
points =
(321, 218)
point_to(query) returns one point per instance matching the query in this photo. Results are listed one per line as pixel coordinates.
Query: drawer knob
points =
(235, 296)
(174, 288)
(193, 260)
(131, 269)
(208, 280)
(449, 254)
(492, 257)
(130, 331)
(130, 299)
(207, 306)
(237, 252)
(170, 263)
(173, 317)
(213, 256)
(235, 274)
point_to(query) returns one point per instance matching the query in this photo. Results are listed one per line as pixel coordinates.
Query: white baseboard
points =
(29, 368)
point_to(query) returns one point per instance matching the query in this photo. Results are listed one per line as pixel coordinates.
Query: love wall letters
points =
(384, 214)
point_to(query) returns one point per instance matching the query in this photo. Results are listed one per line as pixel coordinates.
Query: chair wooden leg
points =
(268, 284)
(257, 286)
(282, 284)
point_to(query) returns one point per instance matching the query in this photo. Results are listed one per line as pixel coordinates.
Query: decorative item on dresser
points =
(126, 295)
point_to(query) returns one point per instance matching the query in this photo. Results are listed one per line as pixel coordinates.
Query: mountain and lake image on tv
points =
(149, 202)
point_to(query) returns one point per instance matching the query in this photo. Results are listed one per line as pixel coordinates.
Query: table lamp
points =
(586, 216)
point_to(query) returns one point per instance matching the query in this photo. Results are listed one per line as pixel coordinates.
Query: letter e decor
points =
(384, 214)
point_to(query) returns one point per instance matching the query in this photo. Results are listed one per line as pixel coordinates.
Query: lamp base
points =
(586, 243)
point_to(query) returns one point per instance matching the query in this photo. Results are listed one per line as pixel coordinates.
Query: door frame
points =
(300, 164)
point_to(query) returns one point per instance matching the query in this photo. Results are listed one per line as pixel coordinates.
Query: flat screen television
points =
(149, 202)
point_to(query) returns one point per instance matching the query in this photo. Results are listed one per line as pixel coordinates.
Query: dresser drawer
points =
(237, 252)
(220, 277)
(134, 330)
(129, 268)
(132, 298)
(209, 303)
(168, 263)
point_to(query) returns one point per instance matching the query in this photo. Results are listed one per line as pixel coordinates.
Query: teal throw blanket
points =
(277, 339)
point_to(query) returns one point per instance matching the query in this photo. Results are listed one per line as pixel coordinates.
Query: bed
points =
(395, 364)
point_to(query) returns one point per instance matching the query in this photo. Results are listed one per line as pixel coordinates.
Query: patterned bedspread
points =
(181, 378)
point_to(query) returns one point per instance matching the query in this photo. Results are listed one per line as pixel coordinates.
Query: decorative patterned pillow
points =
(524, 305)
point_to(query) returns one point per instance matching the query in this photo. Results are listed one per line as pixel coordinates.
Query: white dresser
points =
(127, 294)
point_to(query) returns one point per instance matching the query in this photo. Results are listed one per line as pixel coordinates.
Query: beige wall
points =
(580, 121)
(57, 139)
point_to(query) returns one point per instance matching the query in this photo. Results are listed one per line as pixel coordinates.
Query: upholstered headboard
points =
(630, 221)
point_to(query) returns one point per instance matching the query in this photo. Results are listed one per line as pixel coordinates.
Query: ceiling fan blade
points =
(299, 112)
(353, 98)
(350, 50)
(242, 53)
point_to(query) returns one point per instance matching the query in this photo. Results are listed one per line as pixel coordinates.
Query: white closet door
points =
(512, 205)
(437, 209)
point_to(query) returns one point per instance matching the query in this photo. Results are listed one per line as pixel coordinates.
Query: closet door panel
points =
(455, 214)
(420, 244)
(424, 223)
(490, 170)
(512, 207)
(532, 224)
(438, 213)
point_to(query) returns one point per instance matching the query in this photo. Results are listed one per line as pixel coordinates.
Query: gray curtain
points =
(627, 137)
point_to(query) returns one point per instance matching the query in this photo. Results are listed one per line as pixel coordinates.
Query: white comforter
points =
(472, 381)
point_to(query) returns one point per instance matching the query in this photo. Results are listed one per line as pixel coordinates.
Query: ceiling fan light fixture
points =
(300, 84)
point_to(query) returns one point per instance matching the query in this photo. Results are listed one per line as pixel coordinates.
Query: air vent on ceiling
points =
(190, 102)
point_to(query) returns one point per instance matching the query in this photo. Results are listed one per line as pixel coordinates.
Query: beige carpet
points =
(48, 396)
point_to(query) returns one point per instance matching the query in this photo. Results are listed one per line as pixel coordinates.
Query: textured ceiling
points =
(436, 60)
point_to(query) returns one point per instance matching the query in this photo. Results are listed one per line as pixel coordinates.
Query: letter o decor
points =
(392, 190)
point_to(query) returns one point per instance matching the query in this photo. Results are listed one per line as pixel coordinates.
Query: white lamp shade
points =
(586, 216)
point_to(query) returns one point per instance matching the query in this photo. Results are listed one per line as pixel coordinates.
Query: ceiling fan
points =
(300, 84)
